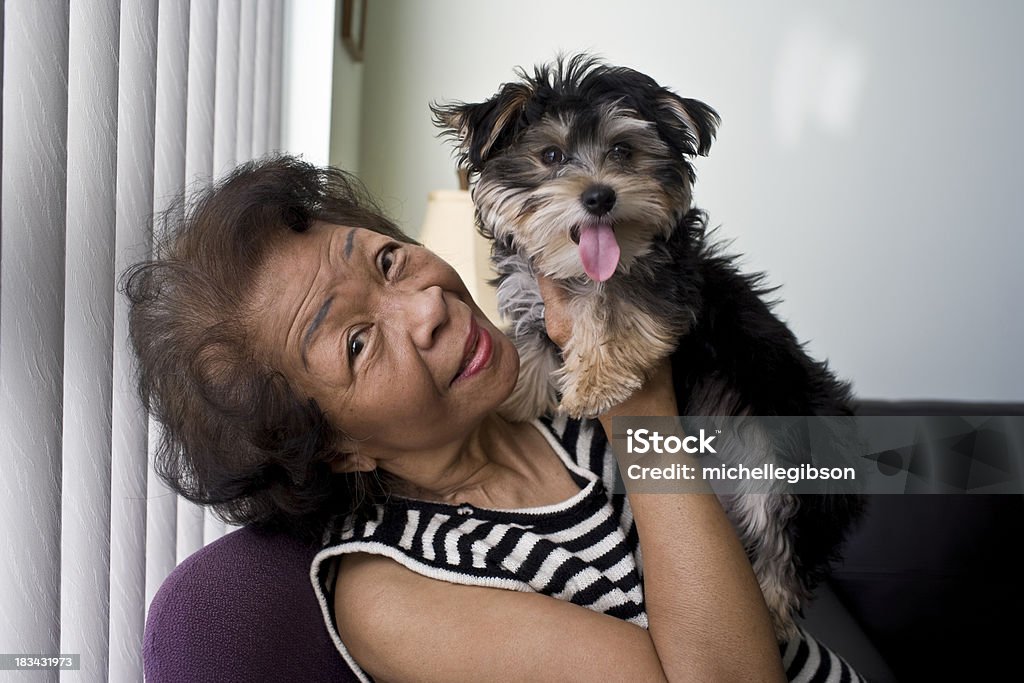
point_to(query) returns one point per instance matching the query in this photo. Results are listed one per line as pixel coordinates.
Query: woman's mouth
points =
(478, 352)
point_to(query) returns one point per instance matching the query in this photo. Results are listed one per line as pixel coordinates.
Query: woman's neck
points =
(490, 467)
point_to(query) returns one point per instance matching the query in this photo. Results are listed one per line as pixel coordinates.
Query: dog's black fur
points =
(734, 356)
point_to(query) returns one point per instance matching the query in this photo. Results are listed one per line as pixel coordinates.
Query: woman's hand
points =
(657, 396)
(557, 318)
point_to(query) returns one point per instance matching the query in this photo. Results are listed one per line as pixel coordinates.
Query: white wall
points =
(868, 157)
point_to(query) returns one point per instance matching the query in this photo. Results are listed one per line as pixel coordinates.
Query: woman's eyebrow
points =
(348, 242)
(311, 330)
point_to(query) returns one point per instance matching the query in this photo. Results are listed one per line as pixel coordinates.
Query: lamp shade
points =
(449, 230)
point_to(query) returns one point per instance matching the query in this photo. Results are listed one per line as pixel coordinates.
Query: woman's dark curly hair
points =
(236, 435)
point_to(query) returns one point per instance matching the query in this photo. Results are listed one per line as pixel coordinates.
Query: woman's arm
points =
(403, 626)
(707, 616)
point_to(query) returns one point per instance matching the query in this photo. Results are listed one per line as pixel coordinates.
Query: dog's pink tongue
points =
(599, 251)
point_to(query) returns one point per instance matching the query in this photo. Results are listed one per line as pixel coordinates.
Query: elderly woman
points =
(316, 370)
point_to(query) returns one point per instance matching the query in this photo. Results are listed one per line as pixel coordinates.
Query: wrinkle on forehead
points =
(283, 287)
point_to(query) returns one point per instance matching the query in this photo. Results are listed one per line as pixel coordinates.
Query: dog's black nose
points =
(598, 199)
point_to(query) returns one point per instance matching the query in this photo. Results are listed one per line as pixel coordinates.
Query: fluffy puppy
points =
(582, 173)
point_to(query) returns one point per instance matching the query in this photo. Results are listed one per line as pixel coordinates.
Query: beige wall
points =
(346, 98)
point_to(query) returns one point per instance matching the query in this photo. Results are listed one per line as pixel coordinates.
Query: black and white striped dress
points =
(584, 550)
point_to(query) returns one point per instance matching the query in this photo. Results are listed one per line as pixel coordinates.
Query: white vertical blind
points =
(110, 110)
(88, 329)
(261, 79)
(276, 67)
(136, 104)
(246, 68)
(168, 177)
(225, 110)
(32, 321)
(202, 78)
(202, 71)
(177, 103)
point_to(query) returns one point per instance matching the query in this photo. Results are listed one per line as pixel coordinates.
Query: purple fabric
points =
(241, 609)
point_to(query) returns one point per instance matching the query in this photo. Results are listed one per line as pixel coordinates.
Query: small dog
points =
(582, 173)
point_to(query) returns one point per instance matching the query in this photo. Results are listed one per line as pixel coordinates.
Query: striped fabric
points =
(808, 661)
(584, 550)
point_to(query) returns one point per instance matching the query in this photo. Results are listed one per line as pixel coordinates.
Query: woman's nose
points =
(427, 312)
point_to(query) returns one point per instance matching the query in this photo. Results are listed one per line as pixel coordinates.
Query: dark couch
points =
(933, 580)
(926, 589)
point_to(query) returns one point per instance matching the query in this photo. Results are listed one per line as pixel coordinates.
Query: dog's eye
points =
(620, 152)
(552, 156)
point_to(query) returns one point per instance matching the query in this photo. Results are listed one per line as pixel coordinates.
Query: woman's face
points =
(379, 332)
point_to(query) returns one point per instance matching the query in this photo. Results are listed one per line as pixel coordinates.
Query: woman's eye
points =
(387, 259)
(621, 152)
(552, 156)
(355, 345)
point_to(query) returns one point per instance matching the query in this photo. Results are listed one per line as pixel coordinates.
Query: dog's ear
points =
(691, 122)
(482, 130)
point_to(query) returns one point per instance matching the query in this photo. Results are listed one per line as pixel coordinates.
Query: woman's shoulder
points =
(352, 526)
(585, 443)
(573, 433)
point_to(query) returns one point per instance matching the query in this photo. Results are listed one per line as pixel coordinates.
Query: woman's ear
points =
(352, 462)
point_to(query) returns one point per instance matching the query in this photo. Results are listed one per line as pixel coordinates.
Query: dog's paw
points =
(586, 395)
